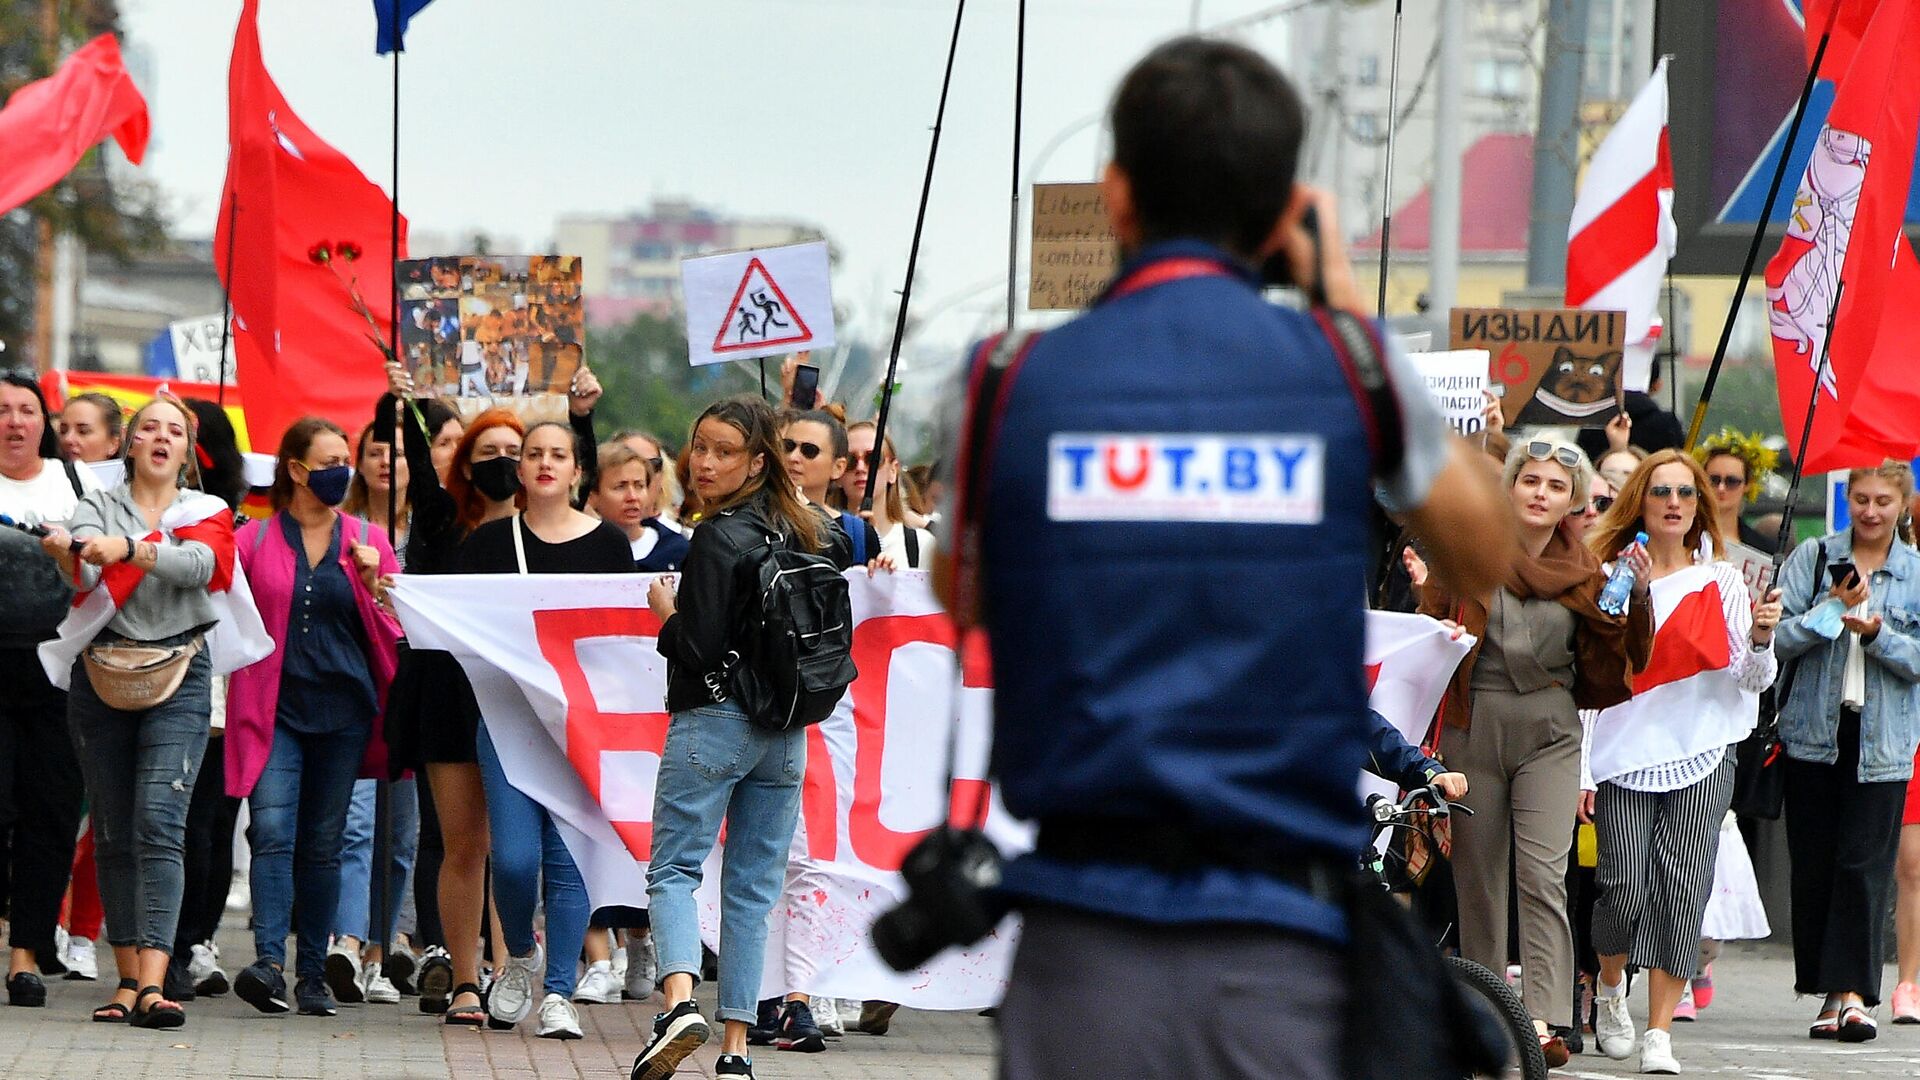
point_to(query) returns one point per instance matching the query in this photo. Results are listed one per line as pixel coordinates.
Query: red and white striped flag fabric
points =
(1622, 234)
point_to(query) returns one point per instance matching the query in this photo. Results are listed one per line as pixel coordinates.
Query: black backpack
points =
(795, 638)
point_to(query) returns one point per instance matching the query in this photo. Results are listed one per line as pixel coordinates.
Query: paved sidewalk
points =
(1755, 1029)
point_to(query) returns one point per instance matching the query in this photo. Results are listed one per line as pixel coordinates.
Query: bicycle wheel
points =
(1491, 992)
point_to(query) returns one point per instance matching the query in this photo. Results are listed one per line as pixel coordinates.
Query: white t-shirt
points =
(47, 497)
(894, 544)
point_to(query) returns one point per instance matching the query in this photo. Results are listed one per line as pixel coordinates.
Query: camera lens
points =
(905, 938)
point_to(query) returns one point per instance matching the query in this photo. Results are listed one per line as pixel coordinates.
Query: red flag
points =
(49, 125)
(1849, 19)
(1845, 228)
(300, 346)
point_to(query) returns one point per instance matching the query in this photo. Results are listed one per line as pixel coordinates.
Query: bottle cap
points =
(1639, 538)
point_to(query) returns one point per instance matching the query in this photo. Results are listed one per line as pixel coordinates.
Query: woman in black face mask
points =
(304, 723)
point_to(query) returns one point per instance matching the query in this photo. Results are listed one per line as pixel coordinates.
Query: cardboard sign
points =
(1075, 254)
(1458, 383)
(763, 302)
(480, 328)
(1551, 366)
(197, 345)
(1755, 566)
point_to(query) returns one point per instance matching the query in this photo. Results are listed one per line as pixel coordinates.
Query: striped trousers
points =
(1657, 853)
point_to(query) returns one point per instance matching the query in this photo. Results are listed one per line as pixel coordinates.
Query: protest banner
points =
(1550, 366)
(476, 329)
(573, 691)
(199, 344)
(1458, 382)
(1074, 252)
(762, 302)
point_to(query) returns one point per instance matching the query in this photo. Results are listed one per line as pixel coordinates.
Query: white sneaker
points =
(599, 986)
(342, 972)
(203, 967)
(1613, 1027)
(376, 987)
(557, 1018)
(620, 961)
(80, 961)
(827, 1017)
(1656, 1053)
(510, 998)
(642, 968)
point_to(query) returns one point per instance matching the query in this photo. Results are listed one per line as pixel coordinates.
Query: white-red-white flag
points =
(1622, 234)
(1410, 659)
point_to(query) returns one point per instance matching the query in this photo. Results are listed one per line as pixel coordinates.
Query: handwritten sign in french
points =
(1075, 254)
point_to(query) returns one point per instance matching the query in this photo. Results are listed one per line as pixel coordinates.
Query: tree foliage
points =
(649, 385)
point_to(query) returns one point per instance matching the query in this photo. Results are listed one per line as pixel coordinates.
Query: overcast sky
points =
(514, 113)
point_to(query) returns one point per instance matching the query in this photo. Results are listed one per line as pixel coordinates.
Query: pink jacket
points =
(253, 692)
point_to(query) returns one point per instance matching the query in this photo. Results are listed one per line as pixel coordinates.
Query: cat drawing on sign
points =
(1575, 389)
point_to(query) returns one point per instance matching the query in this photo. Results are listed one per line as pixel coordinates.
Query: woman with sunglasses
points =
(1544, 651)
(1660, 763)
(902, 545)
(1736, 467)
(1849, 722)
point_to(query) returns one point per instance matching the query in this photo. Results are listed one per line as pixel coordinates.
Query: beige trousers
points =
(1522, 761)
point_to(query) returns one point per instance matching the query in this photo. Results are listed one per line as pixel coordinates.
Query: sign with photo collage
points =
(493, 329)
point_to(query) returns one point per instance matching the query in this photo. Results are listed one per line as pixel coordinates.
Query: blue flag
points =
(393, 17)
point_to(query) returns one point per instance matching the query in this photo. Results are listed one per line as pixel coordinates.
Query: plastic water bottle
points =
(1613, 598)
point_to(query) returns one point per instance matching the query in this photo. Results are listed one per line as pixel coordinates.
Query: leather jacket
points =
(713, 593)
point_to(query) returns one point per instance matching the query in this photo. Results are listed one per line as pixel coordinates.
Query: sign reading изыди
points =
(1550, 366)
(1075, 254)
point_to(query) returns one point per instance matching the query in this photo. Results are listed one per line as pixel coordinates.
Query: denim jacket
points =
(1890, 719)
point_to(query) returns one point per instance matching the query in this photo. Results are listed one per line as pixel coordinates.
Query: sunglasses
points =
(807, 450)
(1687, 492)
(1602, 503)
(1542, 450)
(1727, 482)
(655, 463)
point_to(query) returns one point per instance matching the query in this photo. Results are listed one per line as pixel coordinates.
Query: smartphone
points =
(1841, 571)
(806, 386)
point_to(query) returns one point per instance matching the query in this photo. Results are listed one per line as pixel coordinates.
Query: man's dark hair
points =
(1208, 133)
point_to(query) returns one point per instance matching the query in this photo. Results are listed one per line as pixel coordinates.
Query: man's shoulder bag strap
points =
(1363, 359)
(990, 376)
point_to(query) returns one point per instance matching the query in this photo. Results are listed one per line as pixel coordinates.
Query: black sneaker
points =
(26, 990)
(311, 993)
(341, 970)
(798, 1031)
(262, 986)
(676, 1033)
(435, 983)
(767, 1027)
(733, 1065)
(177, 985)
(399, 966)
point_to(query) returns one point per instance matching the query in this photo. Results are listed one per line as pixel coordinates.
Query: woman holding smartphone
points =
(1849, 722)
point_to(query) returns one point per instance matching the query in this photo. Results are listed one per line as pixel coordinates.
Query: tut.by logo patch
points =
(1262, 479)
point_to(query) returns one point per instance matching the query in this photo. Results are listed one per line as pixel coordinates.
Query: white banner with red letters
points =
(573, 690)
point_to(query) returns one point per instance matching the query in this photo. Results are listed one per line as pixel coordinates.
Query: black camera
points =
(952, 880)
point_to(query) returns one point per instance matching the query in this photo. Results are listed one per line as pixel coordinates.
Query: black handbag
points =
(1759, 779)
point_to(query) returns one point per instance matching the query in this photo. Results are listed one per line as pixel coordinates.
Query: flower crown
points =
(1760, 459)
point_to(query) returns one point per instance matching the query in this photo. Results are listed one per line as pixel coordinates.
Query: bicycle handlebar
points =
(1385, 811)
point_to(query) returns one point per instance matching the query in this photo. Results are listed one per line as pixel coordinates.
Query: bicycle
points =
(1489, 990)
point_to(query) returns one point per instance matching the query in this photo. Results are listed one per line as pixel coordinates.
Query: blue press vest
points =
(1194, 673)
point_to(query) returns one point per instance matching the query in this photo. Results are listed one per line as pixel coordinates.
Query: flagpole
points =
(1013, 222)
(226, 300)
(1386, 197)
(382, 921)
(1782, 543)
(1760, 231)
(913, 260)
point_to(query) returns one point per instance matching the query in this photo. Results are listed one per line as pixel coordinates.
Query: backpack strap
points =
(1362, 355)
(869, 541)
(73, 478)
(913, 546)
(519, 544)
(991, 373)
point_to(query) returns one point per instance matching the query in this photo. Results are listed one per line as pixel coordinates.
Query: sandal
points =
(161, 1014)
(1856, 1025)
(1825, 1026)
(113, 1012)
(466, 1015)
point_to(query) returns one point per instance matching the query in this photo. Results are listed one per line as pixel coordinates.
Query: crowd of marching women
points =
(175, 668)
(171, 664)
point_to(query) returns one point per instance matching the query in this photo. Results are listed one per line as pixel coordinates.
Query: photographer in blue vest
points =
(1162, 513)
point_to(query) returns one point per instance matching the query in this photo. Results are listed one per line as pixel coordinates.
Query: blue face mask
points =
(330, 485)
(1824, 619)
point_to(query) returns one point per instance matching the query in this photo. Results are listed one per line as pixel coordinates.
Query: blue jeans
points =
(140, 769)
(298, 813)
(355, 912)
(525, 842)
(718, 765)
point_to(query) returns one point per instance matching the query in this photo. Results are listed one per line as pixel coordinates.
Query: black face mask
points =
(497, 478)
